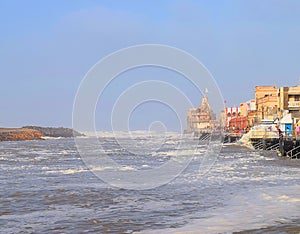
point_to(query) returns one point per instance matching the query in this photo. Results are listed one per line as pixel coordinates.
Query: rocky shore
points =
(35, 133)
(55, 132)
(19, 134)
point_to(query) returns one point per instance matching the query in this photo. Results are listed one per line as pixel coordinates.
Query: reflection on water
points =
(45, 187)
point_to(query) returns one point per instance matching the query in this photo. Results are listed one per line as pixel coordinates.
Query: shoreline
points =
(36, 133)
(19, 134)
(292, 227)
(284, 161)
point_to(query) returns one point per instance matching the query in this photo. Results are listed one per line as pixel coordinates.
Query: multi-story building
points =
(289, 99)
(266, 98)
(243, 109)
(252, 112)
(270, 103)
(231, 113)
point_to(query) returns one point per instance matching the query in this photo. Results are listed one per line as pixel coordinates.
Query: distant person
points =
(280, 134)
(287, 132)
(297, 130)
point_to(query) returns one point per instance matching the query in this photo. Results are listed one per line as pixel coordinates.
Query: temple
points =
(201, 119)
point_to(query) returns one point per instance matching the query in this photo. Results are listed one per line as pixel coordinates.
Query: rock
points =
(56, 132)
(19, 134)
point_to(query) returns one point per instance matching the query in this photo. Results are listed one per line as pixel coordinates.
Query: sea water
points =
(45, 187)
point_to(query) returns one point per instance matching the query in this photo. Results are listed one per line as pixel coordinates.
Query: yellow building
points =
(267, 102)
(243, 109)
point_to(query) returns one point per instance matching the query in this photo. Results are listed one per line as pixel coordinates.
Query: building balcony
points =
(267, 99)
(294, 104)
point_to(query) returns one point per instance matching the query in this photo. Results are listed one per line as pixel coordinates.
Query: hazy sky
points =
(46, 48)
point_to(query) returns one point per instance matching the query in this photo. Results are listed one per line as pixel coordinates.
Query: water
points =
(46, 188)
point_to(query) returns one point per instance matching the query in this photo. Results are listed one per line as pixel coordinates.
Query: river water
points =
(45, 187)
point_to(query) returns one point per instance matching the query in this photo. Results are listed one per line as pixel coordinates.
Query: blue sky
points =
(46, 48)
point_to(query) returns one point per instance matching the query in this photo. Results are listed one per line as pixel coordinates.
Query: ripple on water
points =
(45, 187)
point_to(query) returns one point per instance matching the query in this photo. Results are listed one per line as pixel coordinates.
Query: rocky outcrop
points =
(35, 133)
(19, 134)
(55, 132)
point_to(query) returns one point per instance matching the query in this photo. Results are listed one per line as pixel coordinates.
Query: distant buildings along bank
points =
(279, 105)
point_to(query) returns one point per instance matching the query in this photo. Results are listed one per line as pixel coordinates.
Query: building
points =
(201, 119)
(243, 109)
(222, 119)
(252, 113)
(270, 104)
(241, 117)
(267, 101)
(251, 105)
(289, 99)
(239, 123)
(231, 113)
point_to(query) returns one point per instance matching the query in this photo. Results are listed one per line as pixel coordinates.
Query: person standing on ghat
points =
(280, 133)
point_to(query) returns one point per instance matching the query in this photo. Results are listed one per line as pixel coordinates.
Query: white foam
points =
(186, 152)
(51, 138)
(125, 134)
(247, 210)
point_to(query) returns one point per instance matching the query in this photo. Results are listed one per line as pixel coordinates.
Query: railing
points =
(295, 155)
(205, 138)
(267, 99)
(294, 104)
(268, 139)
(273, 147)
(290, 153)
(259, 145)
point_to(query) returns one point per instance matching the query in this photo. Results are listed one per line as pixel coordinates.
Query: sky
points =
(47, 47)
